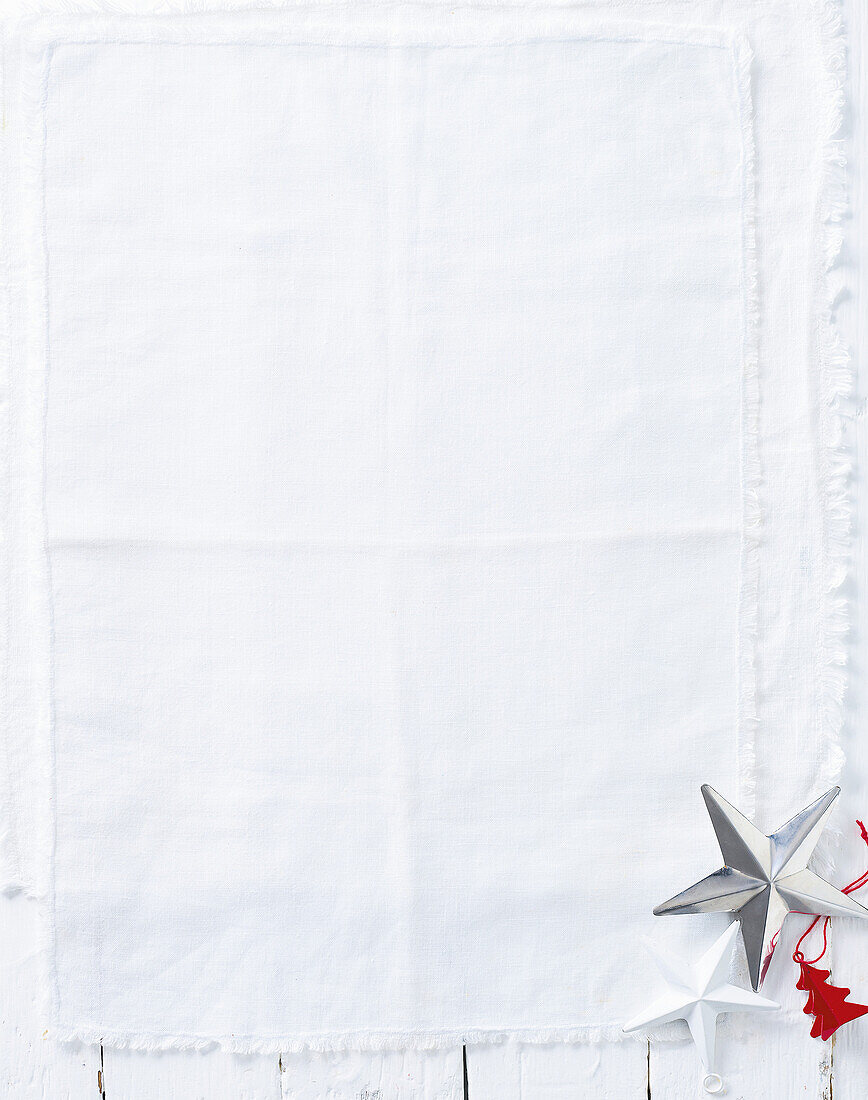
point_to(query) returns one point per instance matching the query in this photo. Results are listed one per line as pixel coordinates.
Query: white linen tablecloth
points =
(393, 404)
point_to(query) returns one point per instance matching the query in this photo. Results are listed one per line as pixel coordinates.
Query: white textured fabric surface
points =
(385, 574)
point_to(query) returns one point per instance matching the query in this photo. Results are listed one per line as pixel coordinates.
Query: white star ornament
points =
(698, 993)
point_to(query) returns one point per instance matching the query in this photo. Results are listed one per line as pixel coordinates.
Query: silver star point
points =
(764, 877)
(698, 993)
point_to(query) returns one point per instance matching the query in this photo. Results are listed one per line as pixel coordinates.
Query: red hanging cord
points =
(856, 884)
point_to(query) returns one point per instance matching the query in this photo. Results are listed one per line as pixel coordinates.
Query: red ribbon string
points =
(856, 884)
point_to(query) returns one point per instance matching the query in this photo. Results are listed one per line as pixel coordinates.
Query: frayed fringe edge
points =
(834, 389)
(347, 1041)
(377, 1041)
(389, 1041)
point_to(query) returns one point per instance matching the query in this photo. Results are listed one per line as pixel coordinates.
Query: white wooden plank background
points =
(768, 1060)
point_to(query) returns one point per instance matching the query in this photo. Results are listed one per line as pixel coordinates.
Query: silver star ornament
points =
(764, 878)
(698, 993)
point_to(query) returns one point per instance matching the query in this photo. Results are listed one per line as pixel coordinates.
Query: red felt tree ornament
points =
(827, 1003)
